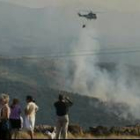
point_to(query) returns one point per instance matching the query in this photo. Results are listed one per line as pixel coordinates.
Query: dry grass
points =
(89, 136)
(24, 135)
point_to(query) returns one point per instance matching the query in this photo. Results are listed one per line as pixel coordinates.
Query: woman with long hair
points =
(15, 117)
(4, 117)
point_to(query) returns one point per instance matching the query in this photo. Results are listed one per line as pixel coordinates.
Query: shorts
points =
(15, 123)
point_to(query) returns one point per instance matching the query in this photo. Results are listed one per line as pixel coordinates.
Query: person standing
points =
(4, 117)
(30, 113)
(15, 117)
(62, 109)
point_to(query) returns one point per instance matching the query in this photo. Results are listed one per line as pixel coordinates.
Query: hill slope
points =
(24, 76)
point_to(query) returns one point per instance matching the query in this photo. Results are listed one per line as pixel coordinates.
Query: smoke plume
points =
(118, 86)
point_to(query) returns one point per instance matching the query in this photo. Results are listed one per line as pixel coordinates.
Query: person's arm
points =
(70, 103)
(36, 108)
(19, 110)
(6, 112)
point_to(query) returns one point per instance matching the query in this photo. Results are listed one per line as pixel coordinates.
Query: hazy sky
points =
(117, 24)
(119, 5)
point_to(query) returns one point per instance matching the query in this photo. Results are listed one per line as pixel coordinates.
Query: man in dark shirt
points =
(62, 109)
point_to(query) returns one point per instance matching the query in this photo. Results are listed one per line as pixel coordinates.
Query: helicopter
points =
(89, 15)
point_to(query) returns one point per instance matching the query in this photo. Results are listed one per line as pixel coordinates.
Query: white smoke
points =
(85, 64)
(89, 79)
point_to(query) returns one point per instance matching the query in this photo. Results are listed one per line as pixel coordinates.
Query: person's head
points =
(33, 100)
(4, 98)
(15, 101)
(60, 97)
(29, 98)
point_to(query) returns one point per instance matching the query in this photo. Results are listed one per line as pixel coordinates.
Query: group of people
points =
(11, 120)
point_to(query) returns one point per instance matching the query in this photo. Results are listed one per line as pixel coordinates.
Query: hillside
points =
(22, 76)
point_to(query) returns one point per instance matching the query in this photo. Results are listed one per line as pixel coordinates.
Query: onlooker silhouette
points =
(62, 108)
(30, 113)
(4, 117)
(15, 117)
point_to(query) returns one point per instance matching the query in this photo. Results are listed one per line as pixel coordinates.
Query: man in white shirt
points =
(30, 113)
